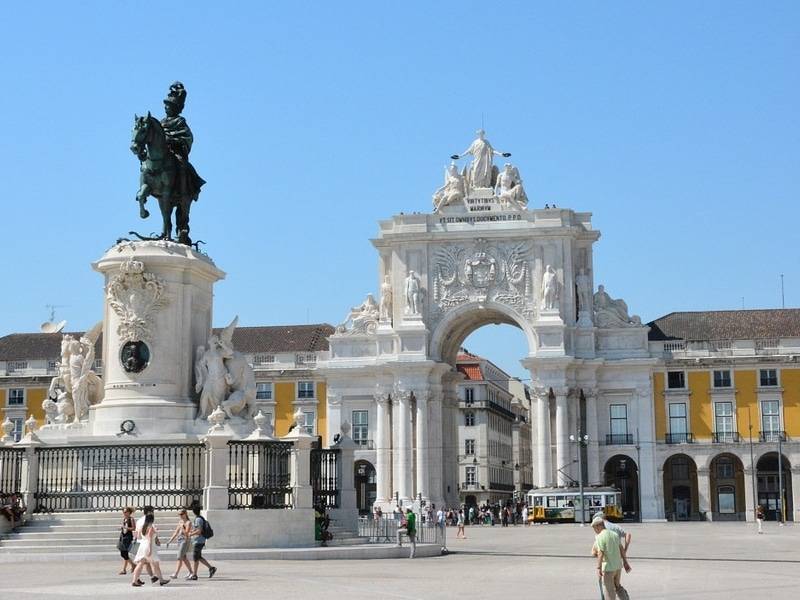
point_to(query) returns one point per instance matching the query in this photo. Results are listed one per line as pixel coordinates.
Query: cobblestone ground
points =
(684, 561)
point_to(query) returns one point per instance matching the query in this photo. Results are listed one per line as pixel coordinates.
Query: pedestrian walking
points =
(609, 561)
(126, 539)
(137, 536)
(441, 523)
(200, 533)
(147, 554)
(525, 515)
(624, 536)
(181, 535)
(411, 531)
(760, 518)
(460, 523)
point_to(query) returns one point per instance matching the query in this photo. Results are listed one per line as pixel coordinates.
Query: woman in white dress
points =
(148, 552)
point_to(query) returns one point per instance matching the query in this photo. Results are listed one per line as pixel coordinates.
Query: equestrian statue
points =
(163, 149)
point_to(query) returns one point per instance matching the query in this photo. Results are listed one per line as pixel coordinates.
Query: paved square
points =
(686, 560)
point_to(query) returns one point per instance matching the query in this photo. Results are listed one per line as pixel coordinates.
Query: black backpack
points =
(206, 530)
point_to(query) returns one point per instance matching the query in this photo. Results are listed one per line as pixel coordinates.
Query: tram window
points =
(596, 501)
(538, 501)
(609, 500)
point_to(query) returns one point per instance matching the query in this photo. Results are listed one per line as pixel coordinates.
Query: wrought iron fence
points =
(108, 478)
(10, 472)
(325, 465)
(383, 530)
(259, 475)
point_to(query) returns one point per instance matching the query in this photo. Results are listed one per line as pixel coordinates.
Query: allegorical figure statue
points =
(584, 285)
(481, 173)
(453, 191)
(413, 294)
(550, 289)
(362, 318)
(610, 312)
(509, 188)
(386, 299)
(163, 148)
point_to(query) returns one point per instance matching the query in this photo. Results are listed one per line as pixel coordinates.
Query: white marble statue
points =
(453, 191)
(362, 318)
(413, 294)
(224, 378)
(550, 289)
(481, 172)
(610, 312)
(584, 284)
(509, 188)
(386, 299)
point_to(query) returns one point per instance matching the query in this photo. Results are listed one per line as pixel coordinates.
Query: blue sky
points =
(675, 123)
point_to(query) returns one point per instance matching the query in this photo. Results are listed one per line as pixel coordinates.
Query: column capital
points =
(334, 398)
(422, 395)
(591, 392)
(382, 397)
(561, 391)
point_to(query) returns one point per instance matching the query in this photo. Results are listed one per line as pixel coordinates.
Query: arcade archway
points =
(727, 488)
(768, 478)
(681, 502)
(364, 478)
(621, 472)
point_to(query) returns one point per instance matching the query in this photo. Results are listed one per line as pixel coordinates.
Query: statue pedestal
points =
(158, 305)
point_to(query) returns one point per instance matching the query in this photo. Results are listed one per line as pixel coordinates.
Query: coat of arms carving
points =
(135, 295)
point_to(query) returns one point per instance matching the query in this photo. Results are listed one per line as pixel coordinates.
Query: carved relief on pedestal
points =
(135, 296)
(482, 272)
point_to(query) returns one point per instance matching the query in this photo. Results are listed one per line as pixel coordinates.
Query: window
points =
(305, 389)
(726, 499)
(723, 420)
(676, 380)
(472, 475)
(17, 365)
(301, 360)
(770, 419)
(361, 427)
(52, 365)
(469, 418)
(677, 418)
(722, 379)
(469, 395)
(469, 447)
(16, 397)
(619, 419)
(263, 359)
(680, 468)
(264, 390)
(768, 377)
(19, 428)
(310, 421)
(725, 468)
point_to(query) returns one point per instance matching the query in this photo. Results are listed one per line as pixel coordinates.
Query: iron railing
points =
(383, 530)
(109, 478)
(615, 439)
(259, 475)
(10, 472)
(725, 437)
(679, 438)
(772, 436)
(325, 465)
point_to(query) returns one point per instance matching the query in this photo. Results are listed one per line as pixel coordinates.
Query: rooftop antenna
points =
(783, 299)
(51, 326)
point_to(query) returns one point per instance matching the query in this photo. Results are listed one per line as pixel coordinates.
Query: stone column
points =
(29, 471)
(423, 445)
(394, 435)
(436, 447)
(403, 426)
(301, 463)
(334, 414)
(703, 491)
(215, 494)
(592, 430)
(383, 453)
(651, 481)
(346, 515)
(544, 471)
(563, 461)
(749, 500)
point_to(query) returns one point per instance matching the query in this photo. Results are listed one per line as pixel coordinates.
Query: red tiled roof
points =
(472, 372)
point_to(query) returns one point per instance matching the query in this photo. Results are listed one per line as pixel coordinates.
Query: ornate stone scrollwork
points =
(135, 295)
(362, 319)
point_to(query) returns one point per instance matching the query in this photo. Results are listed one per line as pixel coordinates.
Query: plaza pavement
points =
(676, 560)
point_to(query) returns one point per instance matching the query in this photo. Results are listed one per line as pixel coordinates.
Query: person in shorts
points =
(199, 543)
(181, 534)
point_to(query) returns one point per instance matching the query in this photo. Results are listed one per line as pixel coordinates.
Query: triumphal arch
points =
(485, 255)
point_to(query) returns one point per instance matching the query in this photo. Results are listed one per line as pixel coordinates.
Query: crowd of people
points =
(141, 539)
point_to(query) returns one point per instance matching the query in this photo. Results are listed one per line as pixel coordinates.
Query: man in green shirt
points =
(609, 560)
(411, 528)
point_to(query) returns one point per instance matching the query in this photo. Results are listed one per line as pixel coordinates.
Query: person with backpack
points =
(200, 533)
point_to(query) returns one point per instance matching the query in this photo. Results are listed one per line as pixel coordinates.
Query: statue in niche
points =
(482, 172)
(386, 299)
(584, 285)
(224, 378)
(509, 188)
(362, 318)
(453, 191)
(550, 289)
(413, 294)
(610, 312)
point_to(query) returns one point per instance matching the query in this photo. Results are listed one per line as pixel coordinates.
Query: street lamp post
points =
(580, 440)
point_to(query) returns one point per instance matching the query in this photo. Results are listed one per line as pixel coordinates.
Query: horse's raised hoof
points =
(144, 213)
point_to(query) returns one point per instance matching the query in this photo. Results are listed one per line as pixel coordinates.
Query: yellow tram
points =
(563, 505)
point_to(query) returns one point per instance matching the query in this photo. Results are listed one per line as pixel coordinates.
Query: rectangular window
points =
(677, 419)
(472, 475)
(16, 397)
(263, 359)
(264, 390)
(361, 427)
(726, 499)
(469, 395)
(722, 379)
(676, 380)
(469, 419)
(723, 420)
(17, 365)
(469, 447)
(19, 428)
(770, 419)
(52, 366)
(725, 468)
(619, 419)
(310, 421)
(305, 389)
(768, 377)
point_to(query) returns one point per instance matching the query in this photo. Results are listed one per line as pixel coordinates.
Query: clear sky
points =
(675, 123)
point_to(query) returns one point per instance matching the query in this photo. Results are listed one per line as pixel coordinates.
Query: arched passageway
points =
(622, 472)
(727, 493)
(768, 477)
(364, 477)
(680, 489)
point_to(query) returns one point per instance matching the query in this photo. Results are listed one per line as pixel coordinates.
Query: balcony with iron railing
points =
(364, 444)
(772, 436)
(679, 438)
(619, 439)
(725, 437)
